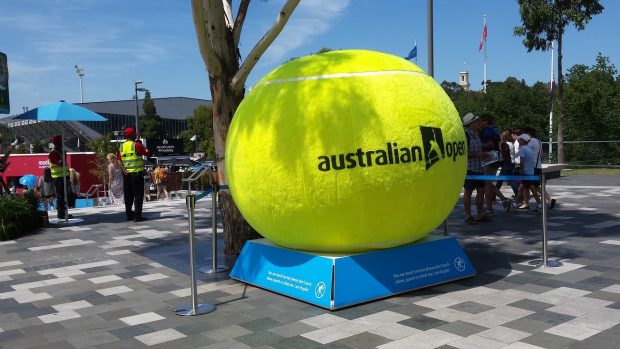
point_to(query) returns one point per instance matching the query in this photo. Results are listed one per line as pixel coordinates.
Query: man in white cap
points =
(528, 164)
(471, 123)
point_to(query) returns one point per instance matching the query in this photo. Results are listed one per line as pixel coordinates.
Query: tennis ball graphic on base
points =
(346, 151)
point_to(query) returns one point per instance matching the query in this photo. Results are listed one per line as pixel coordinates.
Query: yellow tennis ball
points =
(346, 151)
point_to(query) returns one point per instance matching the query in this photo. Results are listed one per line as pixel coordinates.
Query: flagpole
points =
(551, 109)
(485, 57)
(415, 44)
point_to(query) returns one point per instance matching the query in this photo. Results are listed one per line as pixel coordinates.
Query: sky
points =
(117, 42)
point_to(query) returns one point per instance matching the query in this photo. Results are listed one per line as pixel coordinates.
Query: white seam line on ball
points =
(342, 75)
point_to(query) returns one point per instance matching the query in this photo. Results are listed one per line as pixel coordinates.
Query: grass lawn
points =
(592, 171)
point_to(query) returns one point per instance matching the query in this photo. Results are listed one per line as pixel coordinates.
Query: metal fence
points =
(586, 153)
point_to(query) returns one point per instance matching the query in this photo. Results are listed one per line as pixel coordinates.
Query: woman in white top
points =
(115, 174)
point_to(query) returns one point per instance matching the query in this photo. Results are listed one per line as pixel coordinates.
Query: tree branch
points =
(199, 11)
(228, 12)
(241, 76)
(243, 10)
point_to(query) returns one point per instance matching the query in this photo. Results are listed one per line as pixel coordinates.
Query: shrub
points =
(19, 215)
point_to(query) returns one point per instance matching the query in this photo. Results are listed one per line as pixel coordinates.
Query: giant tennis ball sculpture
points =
(346, 151)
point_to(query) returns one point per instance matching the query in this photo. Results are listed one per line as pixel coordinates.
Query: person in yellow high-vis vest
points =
(130, 155)
(59, 172)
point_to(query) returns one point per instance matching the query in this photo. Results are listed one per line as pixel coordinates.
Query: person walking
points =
(528, 163)
(130, 155)
(115, 176)
(74, 187)
(161, 181)
(60, 175)
(475, 154)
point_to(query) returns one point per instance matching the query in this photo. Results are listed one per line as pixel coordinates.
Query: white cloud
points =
(311, 19)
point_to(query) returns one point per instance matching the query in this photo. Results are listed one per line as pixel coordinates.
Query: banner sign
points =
(338, 281)
(164, 147)
(301, 275)
(5, 107)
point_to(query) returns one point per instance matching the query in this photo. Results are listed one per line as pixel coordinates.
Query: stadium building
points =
(174, 112)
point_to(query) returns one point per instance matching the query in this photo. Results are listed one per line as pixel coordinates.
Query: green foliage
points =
(149, 122)
(544, 21)
(592, 107)
(37, 147)
(593, 112)
(201, 125)
(18, 215)
(148, 106)
(512, 103)
(102, 147)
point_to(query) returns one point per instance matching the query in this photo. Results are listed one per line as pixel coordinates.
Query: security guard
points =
(60, 176)
(130, 155)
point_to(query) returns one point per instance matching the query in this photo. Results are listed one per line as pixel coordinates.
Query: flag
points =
(484, 35)
(413, 53)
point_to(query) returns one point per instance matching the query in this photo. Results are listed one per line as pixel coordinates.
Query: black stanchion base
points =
(189, 311)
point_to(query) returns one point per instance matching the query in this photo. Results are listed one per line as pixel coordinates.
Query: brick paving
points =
(106, 283)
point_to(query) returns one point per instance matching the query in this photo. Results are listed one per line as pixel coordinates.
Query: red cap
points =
(56, 140)
(130, 132)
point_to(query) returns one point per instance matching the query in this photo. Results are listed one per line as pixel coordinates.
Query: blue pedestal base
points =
(336, 281)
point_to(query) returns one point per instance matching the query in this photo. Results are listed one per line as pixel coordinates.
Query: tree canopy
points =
(149, 122)
(592, 109)
(543, 22)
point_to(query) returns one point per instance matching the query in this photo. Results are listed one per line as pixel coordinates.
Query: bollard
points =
(546, 261)
(215, 268)
(194, 308)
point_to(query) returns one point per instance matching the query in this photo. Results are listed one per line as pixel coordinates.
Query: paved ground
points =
(106, 283)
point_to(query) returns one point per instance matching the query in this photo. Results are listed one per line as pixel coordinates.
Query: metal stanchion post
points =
(546, 261)
(97, 195)
(194, 308)
(215, 268)
(445, 227)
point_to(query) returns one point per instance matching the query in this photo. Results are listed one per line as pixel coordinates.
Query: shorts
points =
(537, 172)
(162, 186)
(490, 170)
(471, 184)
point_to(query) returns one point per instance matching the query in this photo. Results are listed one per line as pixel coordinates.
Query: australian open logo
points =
(433, 149)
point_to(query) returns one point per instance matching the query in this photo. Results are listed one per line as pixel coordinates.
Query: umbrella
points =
(28, 181)
(61, 111)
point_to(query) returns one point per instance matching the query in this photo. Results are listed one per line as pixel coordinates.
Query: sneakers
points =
(552, 204)
(507, 203)
(139, 219)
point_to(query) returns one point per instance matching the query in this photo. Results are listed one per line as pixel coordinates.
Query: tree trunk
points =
(560, 114)
(236, 230)
(218, 43)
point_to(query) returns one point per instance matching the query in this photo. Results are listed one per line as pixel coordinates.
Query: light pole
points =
(136, 83)
(80, 72)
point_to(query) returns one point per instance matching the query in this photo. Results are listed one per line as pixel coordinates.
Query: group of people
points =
(516, 152)
(129, 180)
(48, 188)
